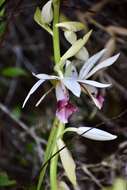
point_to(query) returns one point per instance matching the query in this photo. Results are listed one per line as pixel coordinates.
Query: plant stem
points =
(60, 127)
(56, 41)
(54, 161)
(48, 152)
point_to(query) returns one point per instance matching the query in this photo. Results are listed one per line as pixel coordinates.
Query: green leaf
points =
(39, 20)
(67, 162)
(13, 72)
(4, 180)
(71, 26)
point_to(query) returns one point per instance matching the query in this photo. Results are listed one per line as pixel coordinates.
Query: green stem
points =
(56, 41)
(54, 161)
(48, 152)
(58, 127)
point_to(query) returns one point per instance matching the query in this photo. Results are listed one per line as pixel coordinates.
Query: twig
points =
(30, 132)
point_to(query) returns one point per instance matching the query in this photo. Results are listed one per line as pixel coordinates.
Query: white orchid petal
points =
(73, 86)
(90, 63)
(70, 70)
(95, 100)
(94, 83)
(33, 89)
(108, 62)
(95, 134)
(82, 54)
(44, 95)
(70, 36)
(46, 77)
(71, 26)
(47, 13)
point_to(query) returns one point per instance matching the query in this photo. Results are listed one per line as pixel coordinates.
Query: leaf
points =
(47, 13)
(95, 134)
(67, 162)
(71, 26)
(4, 180)
(39, 20)
(13, 72)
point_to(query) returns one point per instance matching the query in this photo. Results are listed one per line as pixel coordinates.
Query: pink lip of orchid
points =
(64, 110)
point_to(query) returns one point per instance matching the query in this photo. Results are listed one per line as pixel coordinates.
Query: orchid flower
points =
(74, 82)
(89, 68)
(64, 108)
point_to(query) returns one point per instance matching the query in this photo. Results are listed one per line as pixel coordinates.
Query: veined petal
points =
(44, 95)
(95, 134)
(73, 86)
(90, 63)
(33, 89)
(82, 54)
(46, 77)
(94, 83)
(70, 70)
(47, 13)
(108, 62)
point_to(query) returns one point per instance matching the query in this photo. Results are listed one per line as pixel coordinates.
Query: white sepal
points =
(46, 77)
(71, 26)
(108, 62)
(82, 54)
(47, 13)
(33, 89)
(44, 95)
(90, 64)
(94, 83)
(70, 36)
(95, 134)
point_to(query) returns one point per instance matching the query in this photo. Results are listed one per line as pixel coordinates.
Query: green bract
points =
(39, 19)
